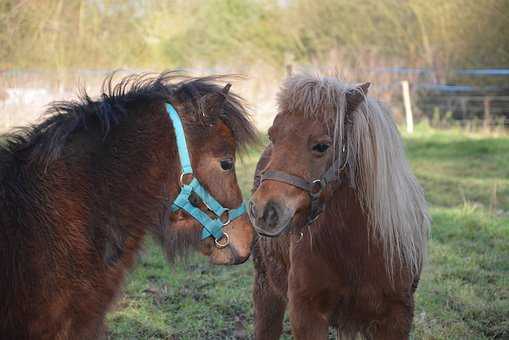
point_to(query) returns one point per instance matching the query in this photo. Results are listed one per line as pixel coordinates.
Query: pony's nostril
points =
(271, 215)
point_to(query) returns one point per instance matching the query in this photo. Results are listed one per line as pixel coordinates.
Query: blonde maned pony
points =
(357, 265)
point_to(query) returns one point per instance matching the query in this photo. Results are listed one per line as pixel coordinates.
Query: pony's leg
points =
(307, 323)
(269, 307)
(396, 324)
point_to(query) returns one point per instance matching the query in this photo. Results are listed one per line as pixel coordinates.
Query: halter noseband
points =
(315, 187)
(211, 226)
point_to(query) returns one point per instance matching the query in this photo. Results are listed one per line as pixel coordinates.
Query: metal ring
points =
(320, 187)
(227, 211)
(223, 245)
(181, 179)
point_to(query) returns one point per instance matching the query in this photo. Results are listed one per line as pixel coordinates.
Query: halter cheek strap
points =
(211, 226)
(313, 188)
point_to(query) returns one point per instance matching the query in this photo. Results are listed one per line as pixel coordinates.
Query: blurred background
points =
(441, 65)
(454, 54)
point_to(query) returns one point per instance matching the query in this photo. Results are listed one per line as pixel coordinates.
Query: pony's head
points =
(307, 139)
(217, 127)
(327, 134)
(129, 137)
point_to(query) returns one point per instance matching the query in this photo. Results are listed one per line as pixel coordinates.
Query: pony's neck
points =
(343, 229)
(141, 166)
(347, 240)
(75, 225)
(118, 185)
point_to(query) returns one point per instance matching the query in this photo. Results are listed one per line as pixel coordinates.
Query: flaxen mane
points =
(388, 190)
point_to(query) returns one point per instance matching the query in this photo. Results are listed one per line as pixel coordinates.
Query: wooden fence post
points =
(408, 106)
(487, 112)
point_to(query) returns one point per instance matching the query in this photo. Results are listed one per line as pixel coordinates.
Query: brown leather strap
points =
(313, 188)
(288, 179)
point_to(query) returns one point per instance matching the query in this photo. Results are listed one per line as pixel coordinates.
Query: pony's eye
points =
(320, 147)
(227, 164)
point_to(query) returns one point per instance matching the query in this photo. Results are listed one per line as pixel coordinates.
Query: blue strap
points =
(211, 227)
(236, 213)
(207, 198)
(185, 160)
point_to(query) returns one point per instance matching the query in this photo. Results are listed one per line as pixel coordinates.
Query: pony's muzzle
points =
(236, 244)
(270, 219)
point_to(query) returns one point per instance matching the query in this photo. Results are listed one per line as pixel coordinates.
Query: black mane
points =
(44, 141)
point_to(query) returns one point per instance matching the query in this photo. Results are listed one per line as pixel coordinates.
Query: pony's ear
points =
(215, 101)
(355, 96)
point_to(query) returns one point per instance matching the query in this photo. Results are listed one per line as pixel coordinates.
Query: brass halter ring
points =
(181, 179)
(227, 212)
(220, 245)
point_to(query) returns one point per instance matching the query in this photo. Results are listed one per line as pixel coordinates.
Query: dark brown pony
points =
(79, 192)
(356, 267)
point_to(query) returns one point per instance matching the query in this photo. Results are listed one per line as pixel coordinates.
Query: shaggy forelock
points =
(317, 98)
(311, 96)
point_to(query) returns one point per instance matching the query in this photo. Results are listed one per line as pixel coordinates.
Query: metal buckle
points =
(181, 179)
(312, 220)
(301, 236)
(225, 244)
(227, 212)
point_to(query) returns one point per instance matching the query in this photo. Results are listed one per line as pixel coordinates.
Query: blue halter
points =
(211, 227)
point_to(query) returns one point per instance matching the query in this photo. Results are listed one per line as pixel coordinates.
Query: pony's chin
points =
(293, 224)
(221, 256)
(227, 256)
(274, 233)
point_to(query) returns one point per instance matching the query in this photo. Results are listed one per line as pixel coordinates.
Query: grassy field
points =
(464, 290)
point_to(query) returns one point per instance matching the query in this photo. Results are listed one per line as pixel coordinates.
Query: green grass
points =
(464, 289)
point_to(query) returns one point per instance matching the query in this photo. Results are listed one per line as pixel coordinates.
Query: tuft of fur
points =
(389, 192)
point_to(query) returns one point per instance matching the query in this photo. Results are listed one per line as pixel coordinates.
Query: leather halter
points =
(315, 187)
